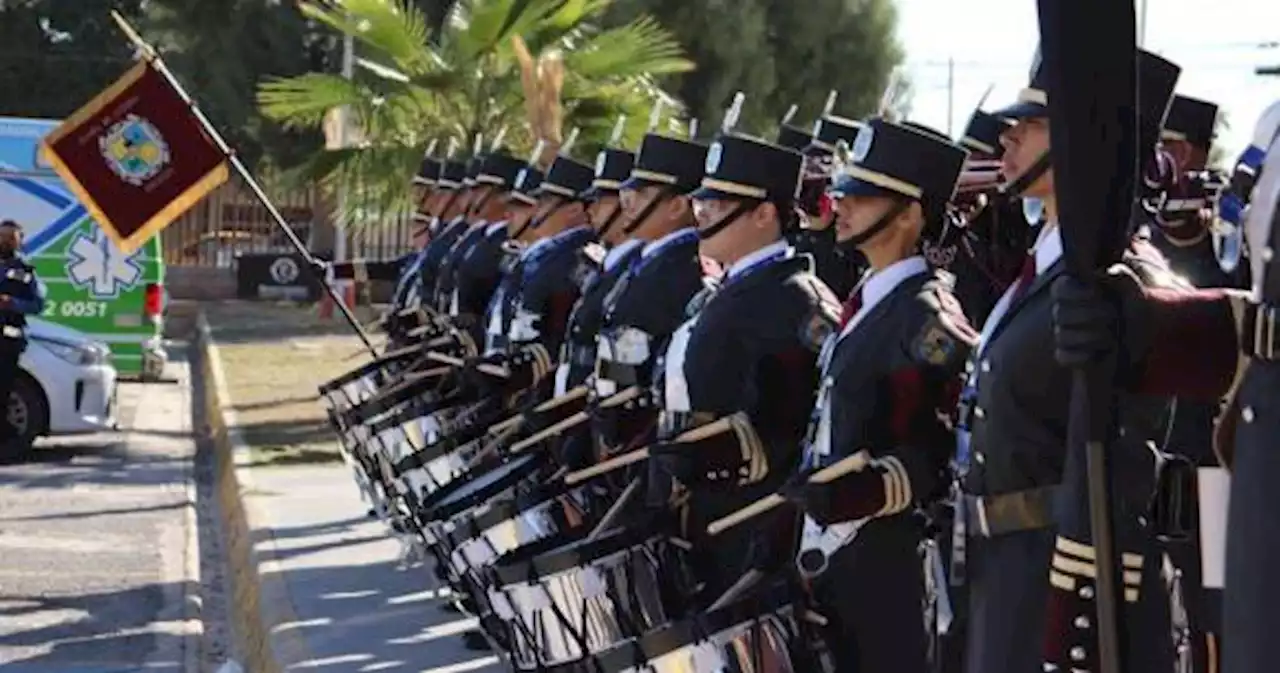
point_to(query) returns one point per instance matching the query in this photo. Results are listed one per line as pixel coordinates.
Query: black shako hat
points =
(1156, 78)
(525, 187)
(795, 138)
(891, 159)
(566, 177)
(428, 172)
(830, 130)
(667, 161)
(473, 169)
(499, 169)
(1192, 120)
(613, 167)
(982, 134)
(739, 166)
(452, 174)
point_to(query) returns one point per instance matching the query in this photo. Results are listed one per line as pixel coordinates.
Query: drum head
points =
(519, 567)
(638, 653)
(476, 490)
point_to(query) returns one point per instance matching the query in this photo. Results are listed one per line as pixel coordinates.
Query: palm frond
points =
(302, 102)
(642, 47)
(397, 30)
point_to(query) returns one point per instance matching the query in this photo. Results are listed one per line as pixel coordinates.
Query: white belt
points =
(12, 332)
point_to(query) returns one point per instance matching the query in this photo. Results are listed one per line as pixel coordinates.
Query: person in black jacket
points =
(21, 294)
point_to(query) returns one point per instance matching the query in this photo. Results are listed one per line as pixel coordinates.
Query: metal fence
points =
(231, 221)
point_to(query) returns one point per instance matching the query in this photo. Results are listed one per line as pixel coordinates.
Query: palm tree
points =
(523, 69)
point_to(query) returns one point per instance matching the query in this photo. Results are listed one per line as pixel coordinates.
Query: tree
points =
(56, 55)
(779, 53)
(222, 49)
(471, 80)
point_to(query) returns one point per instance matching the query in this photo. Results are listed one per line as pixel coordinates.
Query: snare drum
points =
(567, 604)
(758, 634)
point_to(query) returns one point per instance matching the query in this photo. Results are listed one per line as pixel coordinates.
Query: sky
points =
(1218, 43)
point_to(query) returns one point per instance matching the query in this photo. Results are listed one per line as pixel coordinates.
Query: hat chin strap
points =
(1023, 182)
(646, 212)
(743, 207)
(533, 223)
(851, 245)
(609, 221)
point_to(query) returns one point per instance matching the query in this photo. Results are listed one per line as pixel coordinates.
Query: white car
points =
(66, 384)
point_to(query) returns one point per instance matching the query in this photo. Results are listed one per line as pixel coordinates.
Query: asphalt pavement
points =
(98, 560)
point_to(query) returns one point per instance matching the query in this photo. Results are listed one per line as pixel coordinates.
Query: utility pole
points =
(951, 93)
(1142, 23)
(344, 120)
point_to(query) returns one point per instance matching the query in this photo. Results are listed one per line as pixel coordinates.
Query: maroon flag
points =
(136, 156)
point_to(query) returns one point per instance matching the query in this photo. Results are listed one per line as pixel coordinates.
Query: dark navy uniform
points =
(745, 360)
(21, 294)
(888, 383)
(1019, 489)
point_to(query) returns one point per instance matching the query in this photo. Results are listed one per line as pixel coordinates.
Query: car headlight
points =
(76, 354)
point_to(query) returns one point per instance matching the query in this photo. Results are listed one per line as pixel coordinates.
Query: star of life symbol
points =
(134, 149)
(96, 264)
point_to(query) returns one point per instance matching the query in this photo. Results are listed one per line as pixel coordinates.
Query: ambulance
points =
(93, 287)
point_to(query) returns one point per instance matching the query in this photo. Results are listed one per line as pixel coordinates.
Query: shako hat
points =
(667, 161)
(1192, 120)
(613, 167)
(890, 159)
(982, 134)
(739, 166)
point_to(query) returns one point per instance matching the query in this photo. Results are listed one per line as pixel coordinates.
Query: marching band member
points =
(838, 266)
(889, 379)
(744, 361)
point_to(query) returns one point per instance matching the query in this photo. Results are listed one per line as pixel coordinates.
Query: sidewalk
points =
(329, 574)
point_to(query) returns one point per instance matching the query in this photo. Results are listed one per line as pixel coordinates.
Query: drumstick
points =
(574, 420)
(575, 394)
(743, 585)
(827, 474)
(492, 370)
(614, 510)
(516, 420)
(492, 446)
(621, 398)
(623, 460)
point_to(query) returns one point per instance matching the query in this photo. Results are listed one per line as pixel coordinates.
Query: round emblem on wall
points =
(284, 270)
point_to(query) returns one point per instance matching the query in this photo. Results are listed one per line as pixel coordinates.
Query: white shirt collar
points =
(880, 283)
(755, 256)
(618, 252)
(550, 240)
(654, 247)
(1048, 247)
(494, 227)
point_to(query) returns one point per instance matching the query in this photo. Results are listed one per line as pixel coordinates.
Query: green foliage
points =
(517, 68)
(779, 53)
(56, 55)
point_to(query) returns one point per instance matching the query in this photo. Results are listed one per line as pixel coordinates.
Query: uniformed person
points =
(838, 266)
(985, 248)
(889, 378)
(1016, 409)
(21, 294)
(647, 305)
(447, 205)
(744, 361)
(1181, 232)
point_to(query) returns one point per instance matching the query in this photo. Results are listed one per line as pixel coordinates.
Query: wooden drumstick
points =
(744, 584)
(854, 463)
(514, 421)
(572, 421)
(630, 457)
(492, 370)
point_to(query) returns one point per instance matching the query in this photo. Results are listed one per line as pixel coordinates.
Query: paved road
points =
(96, 537)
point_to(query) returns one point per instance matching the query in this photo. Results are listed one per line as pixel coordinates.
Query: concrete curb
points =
(262, 611)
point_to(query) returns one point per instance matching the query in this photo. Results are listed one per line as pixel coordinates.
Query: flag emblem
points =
(135, 150)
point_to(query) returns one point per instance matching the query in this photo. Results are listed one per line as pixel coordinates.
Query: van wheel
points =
(28, 413)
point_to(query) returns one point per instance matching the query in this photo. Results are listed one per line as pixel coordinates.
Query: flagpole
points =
(313, 265)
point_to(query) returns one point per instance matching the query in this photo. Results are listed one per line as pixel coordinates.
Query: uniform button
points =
(1267, 253)
(980, 457)
(986, 366)
(979, 412)
(1086, 592)
(1247, 414)
(968, 367)
(1078, 653)
(711, 476)
(828, 381)
(1082, 622)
